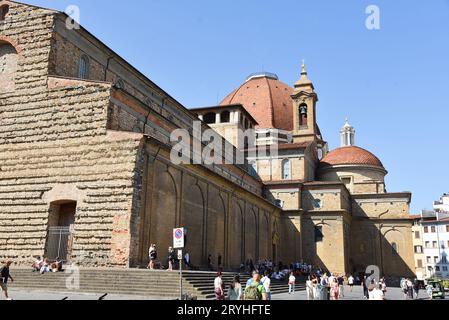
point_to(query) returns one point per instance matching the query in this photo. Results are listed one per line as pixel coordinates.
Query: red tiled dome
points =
(351, 155)
(267, 99)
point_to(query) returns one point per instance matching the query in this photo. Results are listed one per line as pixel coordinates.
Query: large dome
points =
(351, 155)
(267, 99)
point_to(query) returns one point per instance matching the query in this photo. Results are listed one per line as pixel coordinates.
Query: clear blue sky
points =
(393, 84)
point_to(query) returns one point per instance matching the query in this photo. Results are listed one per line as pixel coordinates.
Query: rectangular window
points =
(437, 269)
(434, 244)
(447, 228)
(319, 234)
(418, 249)
(426, 229)
(419, 263)
(435, 259)
(427, 244)
(429, 259)
(433, 229)
(445, 269)
(417, 235)
(444, 259)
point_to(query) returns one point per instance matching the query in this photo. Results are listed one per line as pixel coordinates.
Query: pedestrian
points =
(250, 280)
(323, 287)
(218, 287)
(266, 281)
(219, 262)
(187, 260)
(315, 284)
(365, 288)
(351, 282)
(341, 287)
(209, 262)
(334, 289)
(383, 284)
(409, 289)
(404, 288)
(4, 277)
(291, 283)
(429, 290)
(416, 288)
(255, 291)
(377, 293)
(171, 258)
(152, 254)
(235, 291)
(309, 289)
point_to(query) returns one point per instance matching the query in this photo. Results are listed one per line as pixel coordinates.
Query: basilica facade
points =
(86, 172)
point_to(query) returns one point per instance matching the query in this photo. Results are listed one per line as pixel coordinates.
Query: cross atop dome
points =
(304, 80)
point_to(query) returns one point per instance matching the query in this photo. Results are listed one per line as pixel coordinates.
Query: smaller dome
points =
(351, 156)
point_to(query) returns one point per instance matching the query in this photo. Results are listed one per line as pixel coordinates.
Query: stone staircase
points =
(153, 284)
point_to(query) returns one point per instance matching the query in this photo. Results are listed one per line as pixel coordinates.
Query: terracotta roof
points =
(267, 99)
(351, 155)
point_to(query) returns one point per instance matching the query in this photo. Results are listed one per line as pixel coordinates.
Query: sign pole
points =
(180, 276)
(178, 243)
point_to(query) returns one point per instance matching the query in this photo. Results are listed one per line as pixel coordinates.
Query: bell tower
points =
(304, 109)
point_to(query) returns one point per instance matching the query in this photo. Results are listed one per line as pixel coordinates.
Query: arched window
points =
(4, 9)
(84, 67)
(209, 118)
(286, 169)
(8, 67)
(303, 115)
(225, 117)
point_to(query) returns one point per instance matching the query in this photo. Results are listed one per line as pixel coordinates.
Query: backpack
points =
(252, 292)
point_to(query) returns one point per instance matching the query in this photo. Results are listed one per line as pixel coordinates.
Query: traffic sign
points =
(178, 238)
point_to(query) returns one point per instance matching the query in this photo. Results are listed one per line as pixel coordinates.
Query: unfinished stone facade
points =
(85, 149)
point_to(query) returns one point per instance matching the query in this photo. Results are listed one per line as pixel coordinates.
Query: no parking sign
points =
(178, 238)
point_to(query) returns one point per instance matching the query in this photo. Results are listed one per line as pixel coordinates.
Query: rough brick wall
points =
(54, 146)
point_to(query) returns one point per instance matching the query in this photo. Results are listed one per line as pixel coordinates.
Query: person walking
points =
(218, 287)
(315, 284)
(171, 258)
(416, 288)
(291, 283)
(334, 289)
(324, 284)
(309, 288)
(341, 287)
(429, 290)
(351, 282)
(365, 288)
(409, 289)
(266, 281)
(4, 277)
(152, 254)
(235, 292)
(255, 291)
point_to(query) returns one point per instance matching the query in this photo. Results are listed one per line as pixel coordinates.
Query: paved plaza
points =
(356, 294)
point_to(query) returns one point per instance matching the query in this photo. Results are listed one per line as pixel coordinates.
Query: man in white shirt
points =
(351, 282)
(266, 281)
